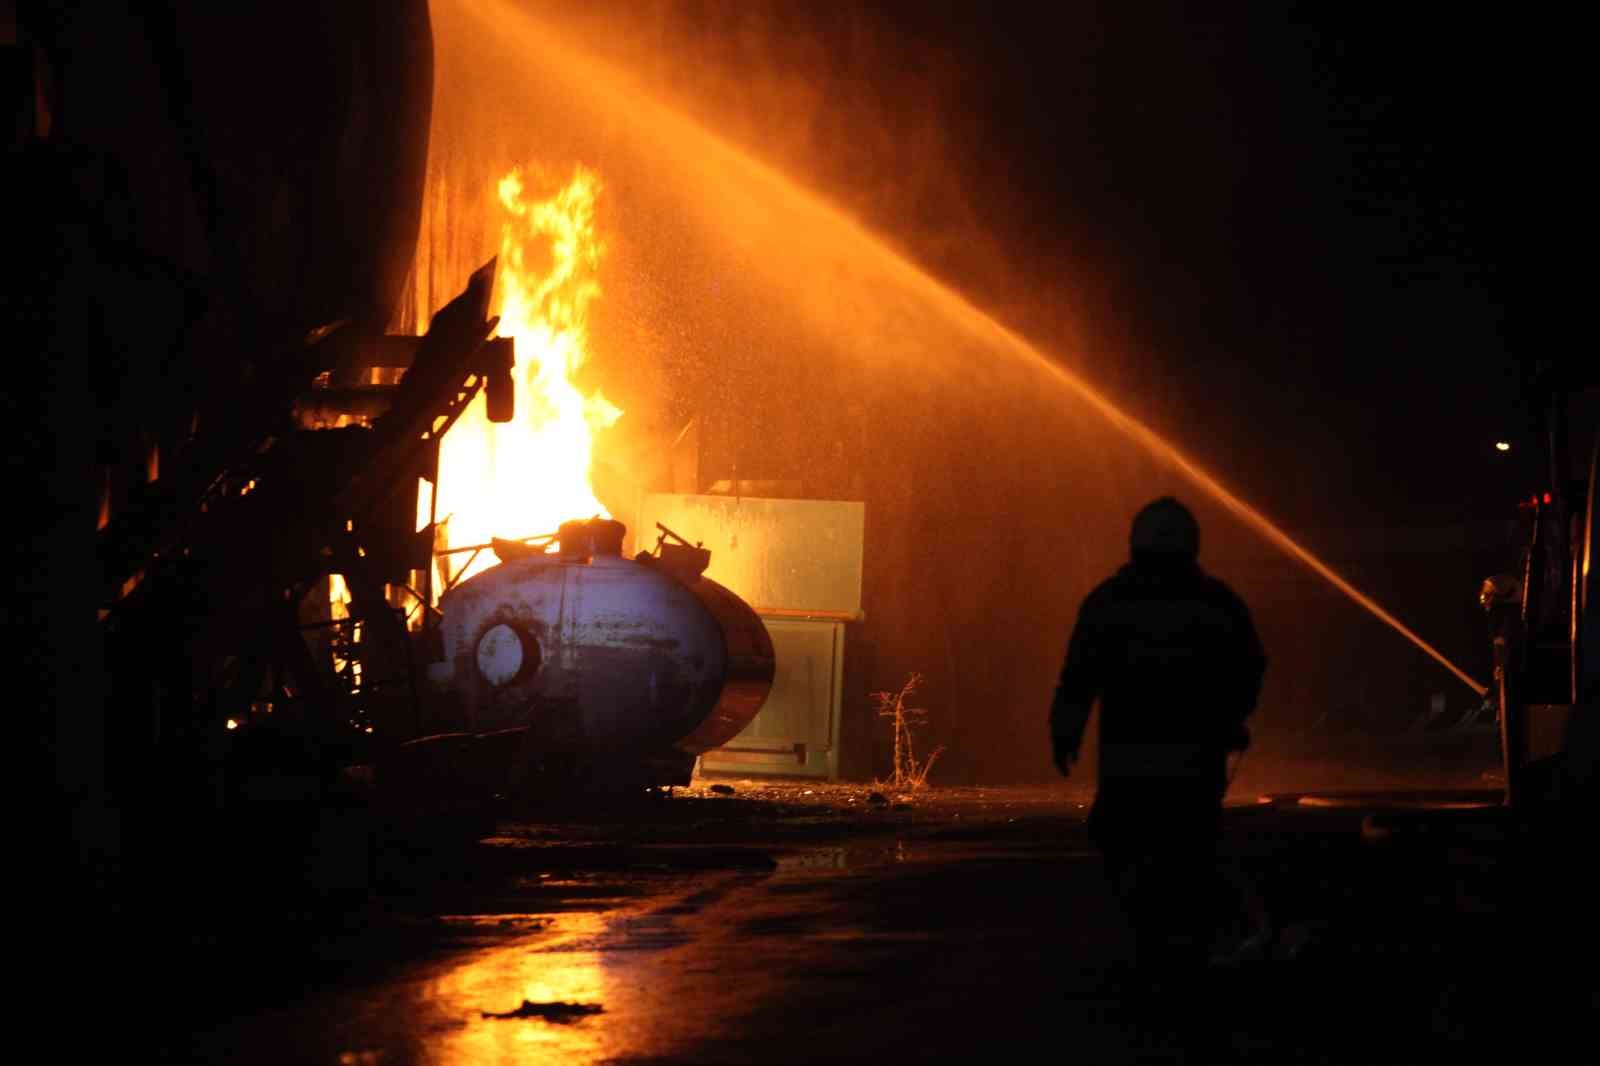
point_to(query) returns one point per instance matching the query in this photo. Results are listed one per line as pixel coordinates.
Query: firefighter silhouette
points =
(1173, 658)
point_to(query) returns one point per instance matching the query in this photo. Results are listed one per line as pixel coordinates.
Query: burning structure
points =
(281, 494)
(204, 239)
(225, 291)
(265, 474)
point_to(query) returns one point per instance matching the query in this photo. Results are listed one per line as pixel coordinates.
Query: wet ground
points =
(813, 923)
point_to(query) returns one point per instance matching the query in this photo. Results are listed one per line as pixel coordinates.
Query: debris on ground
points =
(557, 1012)
(877, 799)
(721, 790)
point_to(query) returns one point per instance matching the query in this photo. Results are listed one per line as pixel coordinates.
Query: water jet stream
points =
(751, 192)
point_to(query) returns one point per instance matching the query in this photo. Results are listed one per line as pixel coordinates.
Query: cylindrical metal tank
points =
(594, 652)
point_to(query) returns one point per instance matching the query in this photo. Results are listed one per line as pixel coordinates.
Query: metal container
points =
(592, 652)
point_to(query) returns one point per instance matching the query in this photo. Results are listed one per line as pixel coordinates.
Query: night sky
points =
(1287, 230)
(1314, 219)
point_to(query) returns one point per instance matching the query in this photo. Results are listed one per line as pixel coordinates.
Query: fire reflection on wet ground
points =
(472, 1000)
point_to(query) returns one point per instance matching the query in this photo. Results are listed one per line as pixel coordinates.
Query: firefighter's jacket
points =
(1175, 661)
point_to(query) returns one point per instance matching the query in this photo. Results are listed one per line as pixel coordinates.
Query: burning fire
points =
(525, 477)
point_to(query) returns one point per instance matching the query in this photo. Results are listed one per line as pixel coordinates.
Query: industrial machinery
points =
(623, 670)
(575, 668)
(214, 212)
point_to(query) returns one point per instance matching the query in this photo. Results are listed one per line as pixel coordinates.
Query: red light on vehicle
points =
(1547, 497)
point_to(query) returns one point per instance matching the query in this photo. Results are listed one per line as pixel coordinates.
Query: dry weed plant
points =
(909, 775)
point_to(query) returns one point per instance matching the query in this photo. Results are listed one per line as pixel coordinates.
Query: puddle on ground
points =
(522, 923)
(855, 856)
(470, 1012)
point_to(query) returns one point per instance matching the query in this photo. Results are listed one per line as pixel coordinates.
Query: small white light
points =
(233, 724)
(1502, 446)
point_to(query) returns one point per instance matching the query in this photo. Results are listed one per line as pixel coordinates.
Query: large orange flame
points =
(525, 477)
